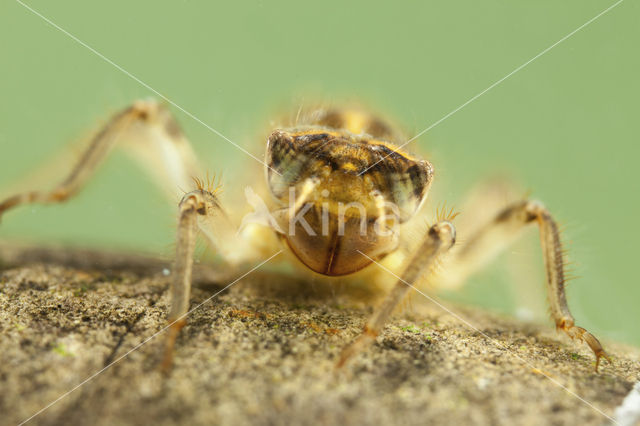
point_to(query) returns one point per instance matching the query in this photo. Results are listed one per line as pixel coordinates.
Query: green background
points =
(566, 125)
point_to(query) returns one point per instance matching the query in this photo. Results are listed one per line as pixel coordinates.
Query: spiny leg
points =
(440, 237)
(149, 132)
(485, 244)
(152, 136)
(193, 204)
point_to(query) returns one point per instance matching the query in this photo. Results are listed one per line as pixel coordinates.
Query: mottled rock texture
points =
(263, 352)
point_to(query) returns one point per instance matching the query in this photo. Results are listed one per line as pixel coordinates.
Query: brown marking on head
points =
(331, 169)
(349, 166)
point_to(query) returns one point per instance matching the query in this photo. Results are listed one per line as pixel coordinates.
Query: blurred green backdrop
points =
(566, 125)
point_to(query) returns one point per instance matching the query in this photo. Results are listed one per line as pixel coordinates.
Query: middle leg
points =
(482, 246)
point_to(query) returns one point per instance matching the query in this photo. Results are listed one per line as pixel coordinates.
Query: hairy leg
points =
(194, 204)
(488, 240)
(147, 130)
(438, 239)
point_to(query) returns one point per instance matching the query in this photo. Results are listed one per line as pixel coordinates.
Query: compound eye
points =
(284, 163)
(402, 182)
(411, 186)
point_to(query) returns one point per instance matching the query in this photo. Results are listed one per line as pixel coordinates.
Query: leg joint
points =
(369, 332)
(443, 231)
(534, 210)
(524, 211)
(201, 201)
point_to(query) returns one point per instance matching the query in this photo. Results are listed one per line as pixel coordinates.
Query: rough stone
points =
(82, 334)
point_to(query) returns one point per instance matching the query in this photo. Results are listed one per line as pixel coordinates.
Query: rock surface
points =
(263, 352)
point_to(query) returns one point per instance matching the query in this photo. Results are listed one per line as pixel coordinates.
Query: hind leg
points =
(146, 130)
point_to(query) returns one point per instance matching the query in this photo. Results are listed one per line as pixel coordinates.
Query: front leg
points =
(486, 242)
(199, 203)
(438, 240)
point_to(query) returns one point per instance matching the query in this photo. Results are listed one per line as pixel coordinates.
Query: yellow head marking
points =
(350, 167)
